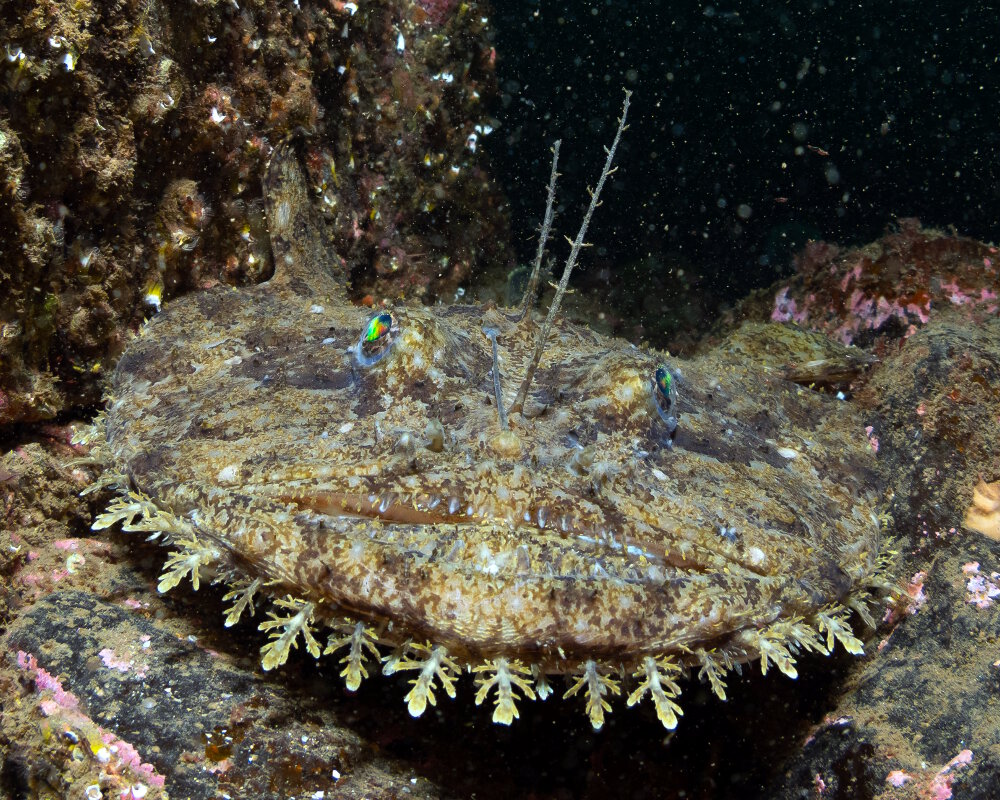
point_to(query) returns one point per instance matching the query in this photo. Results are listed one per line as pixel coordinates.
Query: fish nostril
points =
(435, 436)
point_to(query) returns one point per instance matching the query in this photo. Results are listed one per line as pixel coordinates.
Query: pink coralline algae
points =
(915, 590)
(981, 590)
(898, 778)
(939, 787)
(46, 682)
(888, 288)
(116, 757)
(437, 11)
(113, 661)
(896, 611)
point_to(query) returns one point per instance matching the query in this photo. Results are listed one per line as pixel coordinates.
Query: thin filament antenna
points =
(518, 405)
(529, 293)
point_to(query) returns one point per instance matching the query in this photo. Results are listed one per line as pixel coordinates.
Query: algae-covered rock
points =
(132, 141)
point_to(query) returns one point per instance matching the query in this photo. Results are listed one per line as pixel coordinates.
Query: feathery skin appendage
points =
(284, 631)
(241, 593)
(360, 641)
(833, 622)
(431, 662)
(125, 510)
(596, 685)
(657, 679)
(187, 562)
(542, 686)
(773, 649)
(504, 676)
(713, 670)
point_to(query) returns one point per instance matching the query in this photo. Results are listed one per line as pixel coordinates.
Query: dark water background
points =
(755, 126)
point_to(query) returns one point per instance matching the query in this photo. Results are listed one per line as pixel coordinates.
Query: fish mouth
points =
(432, 510)
(603, 537)
(538, 521)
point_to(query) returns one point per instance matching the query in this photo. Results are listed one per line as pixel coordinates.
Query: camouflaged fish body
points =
(352, 473)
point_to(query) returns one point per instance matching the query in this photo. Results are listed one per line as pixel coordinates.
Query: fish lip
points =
(597, 541)
(600, 535)
(435, 509)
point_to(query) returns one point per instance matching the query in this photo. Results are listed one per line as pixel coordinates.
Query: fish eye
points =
(376, 339)
(665, 397)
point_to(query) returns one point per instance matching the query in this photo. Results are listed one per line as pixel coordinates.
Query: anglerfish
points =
(470, 489)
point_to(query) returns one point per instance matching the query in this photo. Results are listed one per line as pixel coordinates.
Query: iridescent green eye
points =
(376, 339)
(378, 327)
(665, 397)
(664, 383)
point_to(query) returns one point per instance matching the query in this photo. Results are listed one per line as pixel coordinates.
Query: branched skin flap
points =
(626, 523)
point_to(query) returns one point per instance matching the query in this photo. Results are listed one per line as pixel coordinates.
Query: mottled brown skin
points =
(391, 494)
